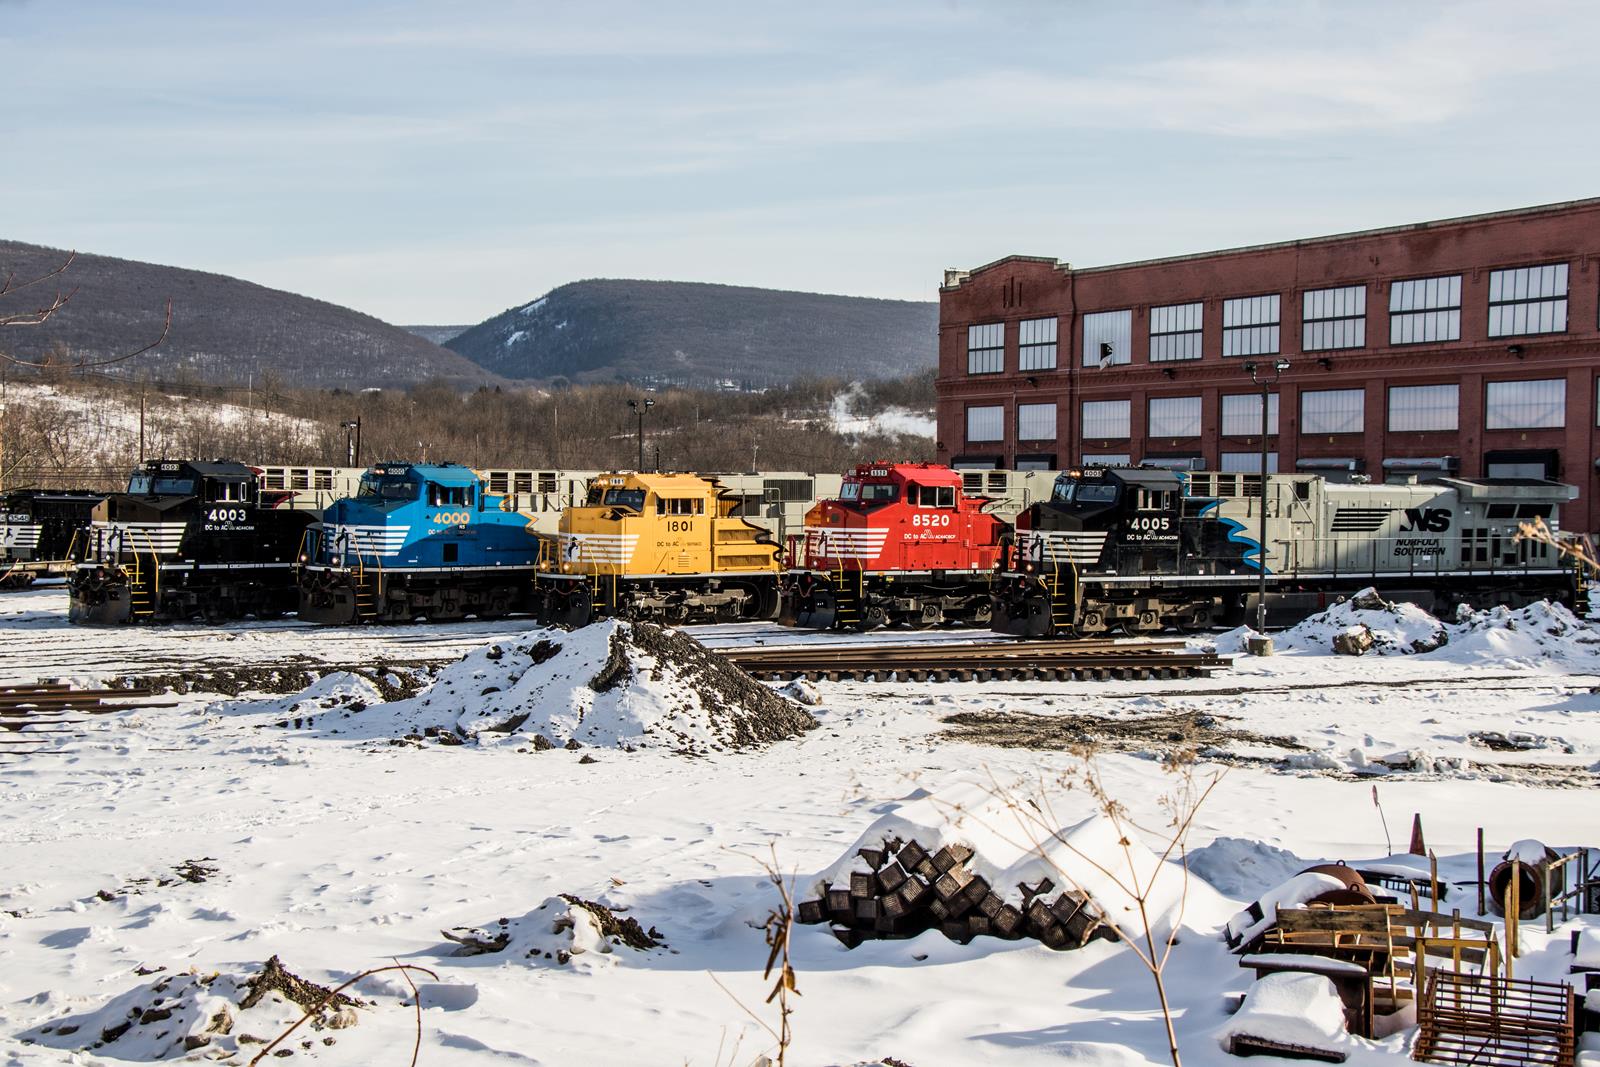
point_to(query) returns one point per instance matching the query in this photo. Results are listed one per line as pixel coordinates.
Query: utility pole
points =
(639, 409)
(1266, 376)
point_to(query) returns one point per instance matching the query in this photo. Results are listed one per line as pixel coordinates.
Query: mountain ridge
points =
(660, 333)
(225, 330)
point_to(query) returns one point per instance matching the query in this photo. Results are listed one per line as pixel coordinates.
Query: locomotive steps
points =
(1083, 660)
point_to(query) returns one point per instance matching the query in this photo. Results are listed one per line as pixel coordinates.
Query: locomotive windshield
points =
(375, 488)
(625, 498)
(144, 484)
(868, 492)
(1069, 492)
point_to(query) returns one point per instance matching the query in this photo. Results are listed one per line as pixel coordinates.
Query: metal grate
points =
(1494, 1022)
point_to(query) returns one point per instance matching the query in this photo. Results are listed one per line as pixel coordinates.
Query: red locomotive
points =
(902, 544)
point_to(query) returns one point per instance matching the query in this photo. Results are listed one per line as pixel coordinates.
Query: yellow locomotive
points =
(663, 546)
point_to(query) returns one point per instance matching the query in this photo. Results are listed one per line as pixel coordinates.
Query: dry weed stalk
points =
(1576, 547)
(403, 968)
(778, 929)
(1038, 827)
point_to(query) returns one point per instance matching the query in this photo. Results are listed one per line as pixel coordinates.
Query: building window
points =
(1174, 416)
(1425, 309)
(1539, 405)
(1424, 407)
(1250, 326)
(1106, 459)
(1175, 332)
(1036, 422)
(1528, 300)
(986, 424)
(1332, 411)
(1105, 419)
(1241, 415)
(986, 348)
(1107, 338)
(1248, 462)
(1037, 345)
(1334, 318)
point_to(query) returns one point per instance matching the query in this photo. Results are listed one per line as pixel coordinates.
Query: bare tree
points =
(42, 313)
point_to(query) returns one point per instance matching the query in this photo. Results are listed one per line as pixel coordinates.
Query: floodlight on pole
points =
(1265, 375)
(639, 408)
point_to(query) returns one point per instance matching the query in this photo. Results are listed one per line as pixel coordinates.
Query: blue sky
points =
(431, 162)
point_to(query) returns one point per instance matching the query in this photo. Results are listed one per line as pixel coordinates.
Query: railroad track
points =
(1027, 660)
(34, 715)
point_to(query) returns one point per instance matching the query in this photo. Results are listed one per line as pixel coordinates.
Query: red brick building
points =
(1467, 346)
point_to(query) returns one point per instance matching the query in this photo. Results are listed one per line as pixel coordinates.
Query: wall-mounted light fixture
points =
(1031, 380)
(1516, 350)
(1169, 372)
(1325, 362)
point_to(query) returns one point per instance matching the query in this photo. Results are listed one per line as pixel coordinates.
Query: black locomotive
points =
(187, 540)
(1140, 549)
(36, 531)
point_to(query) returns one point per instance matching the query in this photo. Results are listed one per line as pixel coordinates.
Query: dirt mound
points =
(564, 930)
(614, 685)
(175, 1015)
(1164, 732)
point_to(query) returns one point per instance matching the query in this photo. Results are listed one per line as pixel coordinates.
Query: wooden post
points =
(1513, 908)
(1433, 878)
(1481, 909)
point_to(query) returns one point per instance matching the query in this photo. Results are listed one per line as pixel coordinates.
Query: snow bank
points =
(614, 684)
(1539, 634)
(1292, 1008)
(1542, 633)
(1243, 868)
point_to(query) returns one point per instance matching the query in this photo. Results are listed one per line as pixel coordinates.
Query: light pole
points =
(352, 441)
(1265, 375)
(639, 408)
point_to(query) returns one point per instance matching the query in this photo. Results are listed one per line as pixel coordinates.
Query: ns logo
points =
(1426, 520)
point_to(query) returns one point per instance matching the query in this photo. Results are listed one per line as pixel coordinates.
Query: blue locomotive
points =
(419, 541)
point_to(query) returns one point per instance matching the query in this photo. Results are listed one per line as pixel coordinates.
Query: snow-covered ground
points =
(339, 849)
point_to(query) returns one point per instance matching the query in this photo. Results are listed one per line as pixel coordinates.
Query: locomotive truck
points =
(1138, 550)
(903, 544)
(187, 540)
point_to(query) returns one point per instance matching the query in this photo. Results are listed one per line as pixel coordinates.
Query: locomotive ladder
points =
(1062, 618)
(847, 602)
(144, 591)
(368, 594)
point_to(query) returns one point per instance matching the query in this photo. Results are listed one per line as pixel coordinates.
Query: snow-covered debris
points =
(614, 684)
(1539, 634)
(171, 1016)
(1367, 622)
(1304, 888)
(562, 929)
(1292, 1009)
